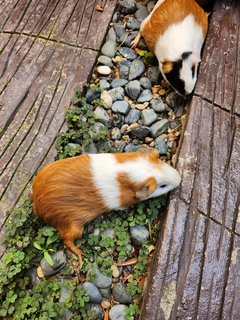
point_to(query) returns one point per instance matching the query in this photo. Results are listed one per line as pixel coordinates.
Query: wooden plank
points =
(219, 76)
(77, 23)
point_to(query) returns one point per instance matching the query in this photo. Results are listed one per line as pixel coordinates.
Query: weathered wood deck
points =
(46, 49)
(196, 269)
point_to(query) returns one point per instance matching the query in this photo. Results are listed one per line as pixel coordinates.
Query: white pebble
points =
(104, 70)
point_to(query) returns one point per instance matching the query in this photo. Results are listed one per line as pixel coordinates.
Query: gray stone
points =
(133, 116)
(93, 292)
(141, 14)
(96, 129)
(148, 116)
(90, 149)
(153, 74)
(116, 134)
(33, 277)
(139, 234)
(159, 127)
(121, 107)
(59, 262)
(97, 311)
(150, 6)
(127, 6)
(65, 293)
(109, 233)
(133, 23)
(118, 312)
(179, 111)
(105, 61)
(118, 120)
(174, 100)
(174, 124)
(111, 35)
(92, 95)
(104, 84)
(133, 89)
(124, 67)
(161, 145)
(170, 144)
(127, 38)
(127, 53)
(117, 93)
(132, 147)
(116, 17)
(145, 96)
(137, 68)
(158, 105)
(106, 292)
(145, 83)
(109, 48)
(98, 278)
(102, 116)
(116, 83)
(141, 132)
(119, 29)
(120, 294)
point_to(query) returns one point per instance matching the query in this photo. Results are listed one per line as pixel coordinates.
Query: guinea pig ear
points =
(146, 188)
(167, 66)
(195, 58)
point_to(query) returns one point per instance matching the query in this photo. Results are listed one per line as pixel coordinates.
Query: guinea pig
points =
(71, 192)
(175, 31)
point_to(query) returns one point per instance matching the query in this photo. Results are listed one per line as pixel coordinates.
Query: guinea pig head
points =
(181, 74)
(164, 178)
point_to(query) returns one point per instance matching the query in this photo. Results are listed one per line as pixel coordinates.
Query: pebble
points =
(118, 312)
(105, 304)
(92, 95)
(115, 271)
(105, 61)
(145, 83)
(133, 125)
(107, 99)
(104, 84)
(119, 29)
(127, 53)
(121, 107)
(133, 116)
(159, 127)
(127, 38)
(116, 93)
(139, 234)
(141, 14)
(95, 129)
(65, 293)
(33, 277)
(162, 92)
(116, 17)
(141, 132)
(133, 23)
(145, 96)
(93, 292)
(141, 106)
(161, 145)
(109, 48)
(118, 120)
(132, 147)
(174, 100)
(124, 128)
(158, 105)
(99, 279)
(59, 262)
(153, 74)
(133, 89)
(127, 6)
(106, 292)
(109, 233)
(120, 294)
(137, 68)
(119, 83)
(124, 67)
(149, 116)
(116, 134)
(98, 313)
(104, 70)
(102, 116)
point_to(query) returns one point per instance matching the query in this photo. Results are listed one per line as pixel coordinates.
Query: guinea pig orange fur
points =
(71, 192)
(175, 31)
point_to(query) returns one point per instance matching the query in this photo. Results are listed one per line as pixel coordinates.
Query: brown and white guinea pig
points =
(175, 31)
(71, 192)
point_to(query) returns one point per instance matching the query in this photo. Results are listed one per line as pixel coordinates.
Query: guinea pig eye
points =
(162, 186)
